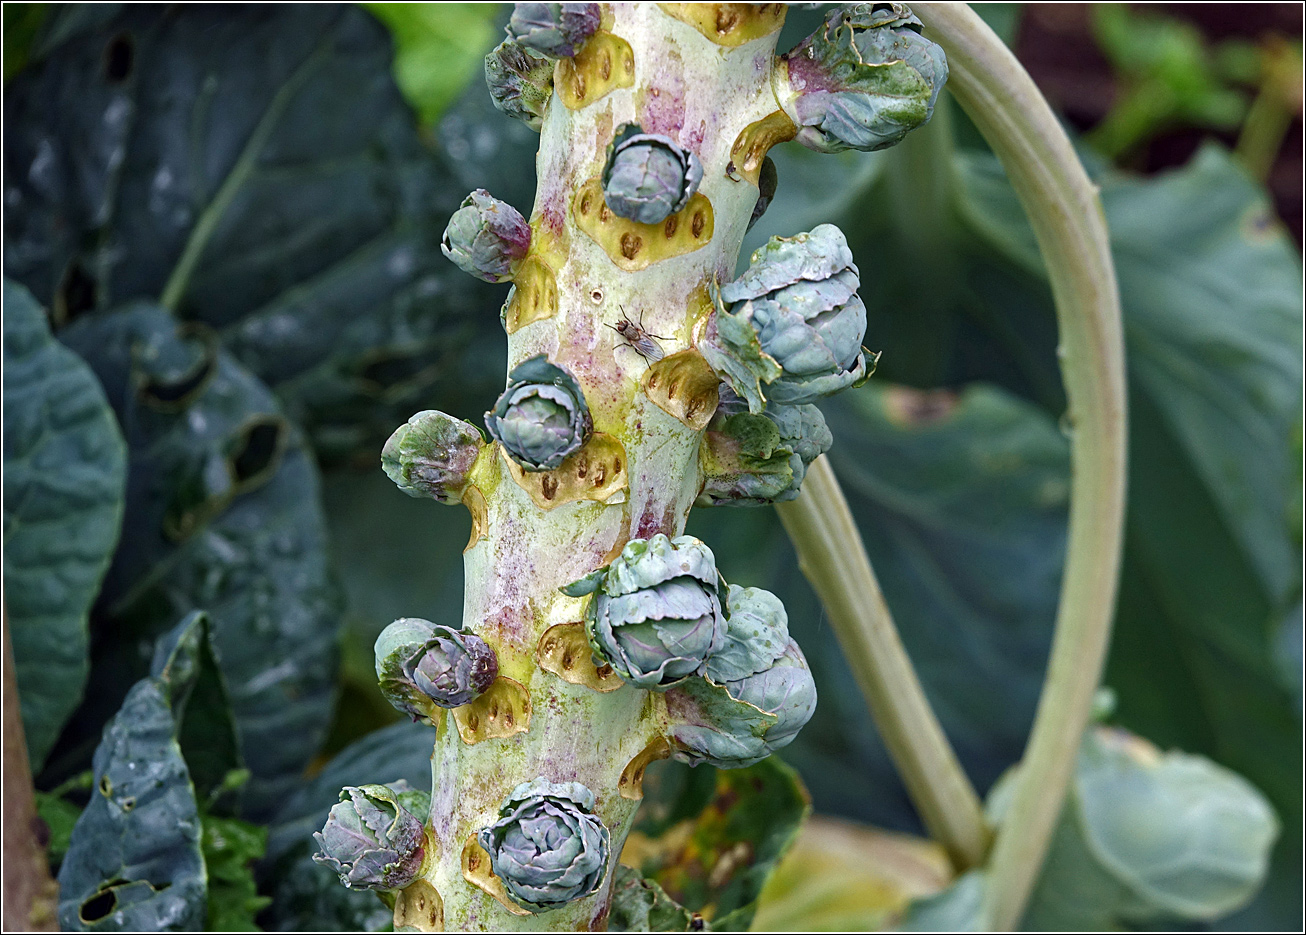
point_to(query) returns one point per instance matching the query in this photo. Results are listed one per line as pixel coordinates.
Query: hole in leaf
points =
(76, 293)
(119, 58)
(106, 786)
(256, 450)
(176, 390)
(102, 903)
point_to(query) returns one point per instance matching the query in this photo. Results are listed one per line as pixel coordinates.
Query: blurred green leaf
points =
(230, 846)
(962, 500)
(439, 49)
(1168, 77)
(65, 468)
(223, 514)
(255, 169)
(717, 861)
(308, 895)
(956, 909)
(1148, 838)
(22, 21)
(134, 861)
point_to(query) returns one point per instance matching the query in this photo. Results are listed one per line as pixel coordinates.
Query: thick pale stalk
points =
(832, 556)
(702, 94)
(1063, 207)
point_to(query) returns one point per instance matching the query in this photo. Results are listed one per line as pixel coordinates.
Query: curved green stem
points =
(832, 556)
(1064, 209)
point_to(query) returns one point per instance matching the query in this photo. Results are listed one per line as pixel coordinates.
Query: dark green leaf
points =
(134, 861)
(306, 894)
(717, 861)
(230, 847)
(256, 169)
(961, 500)
(64, 474)
(223, 514)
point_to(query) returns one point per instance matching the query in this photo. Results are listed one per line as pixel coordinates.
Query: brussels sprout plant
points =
(201, 353)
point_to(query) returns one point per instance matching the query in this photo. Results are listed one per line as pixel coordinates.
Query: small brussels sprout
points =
(656, 614)
(648, 176)
(486, 237)
(746, 720)
(520, 82)
(548, 847)
(792, 322)
(374, 837)
(422, 666)
(430, 455)
(556, 30)
(864, 79)
(542, 416)
(753, 460)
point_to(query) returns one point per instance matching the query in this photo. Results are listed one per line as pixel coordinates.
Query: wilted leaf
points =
(223, 514)
(65, 468)
(253, 168)
(716, 862)
(640, 905)
(841, 877)
(134, 861)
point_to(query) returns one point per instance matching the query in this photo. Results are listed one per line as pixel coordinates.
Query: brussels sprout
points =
(648, 176)
(520, 82)
(421, 666)
(541, 417)
(746, 720)
(430, 455)
(792, 321)
(548, 847)
(757, 634)
(864, 79)
(373, 839)
(752, 460)
(656, 614)
(486, 237)
(557, 30)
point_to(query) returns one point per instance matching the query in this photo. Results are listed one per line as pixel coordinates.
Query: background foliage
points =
(251, 197)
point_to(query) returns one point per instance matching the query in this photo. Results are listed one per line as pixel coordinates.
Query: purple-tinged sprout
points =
(862, 80)
(487, 237)
(790, 329)
(555, 30)
(520, 82)
(542, 416)
(430, 455)
(422, 666)
(373, 838)
(648, 176)
(656, 615)
(755, 459)
(548, 847)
